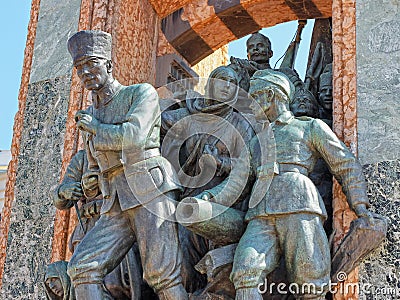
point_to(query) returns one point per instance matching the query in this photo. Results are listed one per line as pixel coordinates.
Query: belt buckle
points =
(276, 168)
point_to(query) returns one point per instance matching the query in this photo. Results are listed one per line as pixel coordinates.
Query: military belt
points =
(118, 168)
(283, 168)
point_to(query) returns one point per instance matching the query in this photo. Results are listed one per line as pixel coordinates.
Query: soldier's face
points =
(303, 106)
(93, 72)
(224, 88)
(325, 97)
(54, 284)
(258, 50)
(263, 103)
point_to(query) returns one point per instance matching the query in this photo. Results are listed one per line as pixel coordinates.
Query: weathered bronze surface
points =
(125, 281)
(57, 283)
(304, 103)
(121, 137)
(288, 221)
(325, 90)
(203, 141)
(237, 187)
(258, 55)
(362, 238)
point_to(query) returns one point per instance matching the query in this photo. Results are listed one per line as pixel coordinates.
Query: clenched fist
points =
(71, 191)
(86, 122)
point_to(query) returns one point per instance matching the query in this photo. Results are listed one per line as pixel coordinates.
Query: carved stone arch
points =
(199, 28)
(206, 26)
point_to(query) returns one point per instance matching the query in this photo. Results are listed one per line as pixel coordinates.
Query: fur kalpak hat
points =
(90, 43)
(325, 79)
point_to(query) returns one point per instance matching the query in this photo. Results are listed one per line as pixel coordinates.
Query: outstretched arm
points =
(343, 165)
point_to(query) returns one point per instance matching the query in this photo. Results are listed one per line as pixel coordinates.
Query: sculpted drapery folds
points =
(288, 220)
(207, 128)
(203, 142)
(210, 154)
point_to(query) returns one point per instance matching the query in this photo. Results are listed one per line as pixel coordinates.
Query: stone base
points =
(380, 272)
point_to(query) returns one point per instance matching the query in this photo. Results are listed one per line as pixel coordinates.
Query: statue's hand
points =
(86, 122)
(90, 184)
(206, 196)
(362, 211)
(70, 191)
(91, 209)
(244, 63)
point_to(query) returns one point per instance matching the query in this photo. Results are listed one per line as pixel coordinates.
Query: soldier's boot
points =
(176, 292)
(248, 294)
(91, 291)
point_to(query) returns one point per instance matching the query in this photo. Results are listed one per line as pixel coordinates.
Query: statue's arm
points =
(237, 63)
(342, 164)
(70, 188)
(238, 183)
(140, 120)
(174, 122)
(245, 135)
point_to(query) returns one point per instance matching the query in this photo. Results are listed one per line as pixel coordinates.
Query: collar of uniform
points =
(103, 96)
(284, 118)
(264, 66)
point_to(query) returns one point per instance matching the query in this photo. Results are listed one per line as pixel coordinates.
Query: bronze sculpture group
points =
(129, 245)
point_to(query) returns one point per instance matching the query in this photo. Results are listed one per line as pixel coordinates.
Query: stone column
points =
(378, 90)
(45, 138)
(37, 149)
(344, 114)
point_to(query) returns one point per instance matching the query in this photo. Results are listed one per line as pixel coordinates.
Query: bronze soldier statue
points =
(325, 96)
(259, 52)
(304, 103)
(79, 185)
(287, 220)
(121, 136)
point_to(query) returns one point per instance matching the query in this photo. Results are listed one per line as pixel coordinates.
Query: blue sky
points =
(14, 23)
(14, 27)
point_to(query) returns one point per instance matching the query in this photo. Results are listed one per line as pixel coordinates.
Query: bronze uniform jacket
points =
(125, 148)
(299, 142)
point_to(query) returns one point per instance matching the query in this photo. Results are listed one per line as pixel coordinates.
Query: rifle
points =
(291, 52)
(79, 216)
